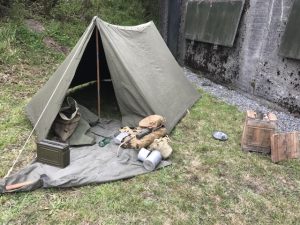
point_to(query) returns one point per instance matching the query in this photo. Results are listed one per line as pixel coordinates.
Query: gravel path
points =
(286, 121)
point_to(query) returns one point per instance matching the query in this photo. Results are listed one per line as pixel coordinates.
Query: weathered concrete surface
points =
(170, 24)
(174, 25)
(163, 14)
(181, 39)
(252, 64)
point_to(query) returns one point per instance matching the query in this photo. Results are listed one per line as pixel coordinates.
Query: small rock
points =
(206, 84)
(219, 135)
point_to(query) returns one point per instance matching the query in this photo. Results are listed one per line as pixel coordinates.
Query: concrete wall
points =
(252, 64)
(163, 14)
(170, 18)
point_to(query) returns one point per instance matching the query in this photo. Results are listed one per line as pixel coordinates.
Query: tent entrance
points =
(86, 95)
(84, 83)
(147, 79)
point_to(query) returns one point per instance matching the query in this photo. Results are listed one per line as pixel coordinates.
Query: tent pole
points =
(98, 72)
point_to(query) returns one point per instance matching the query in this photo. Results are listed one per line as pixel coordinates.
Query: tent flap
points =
(146, 77)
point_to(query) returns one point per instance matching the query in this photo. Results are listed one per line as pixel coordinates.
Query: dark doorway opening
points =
(84, 85)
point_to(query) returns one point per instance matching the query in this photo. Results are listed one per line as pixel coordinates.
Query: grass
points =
(210, 182)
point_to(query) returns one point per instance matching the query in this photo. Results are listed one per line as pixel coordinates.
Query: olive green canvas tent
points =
(146, 79)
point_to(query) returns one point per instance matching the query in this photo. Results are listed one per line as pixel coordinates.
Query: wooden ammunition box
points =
(285, 146)
(53, 153)
(257, 132)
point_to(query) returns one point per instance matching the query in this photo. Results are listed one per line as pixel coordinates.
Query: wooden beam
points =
(98, 71)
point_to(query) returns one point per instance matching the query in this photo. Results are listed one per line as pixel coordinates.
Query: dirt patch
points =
(51, 43)
(18, 74)
(8, 75)
(6, 79)
(255, 184)
(35, 26)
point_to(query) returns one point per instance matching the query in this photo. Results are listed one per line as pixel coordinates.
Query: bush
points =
(124, 12)
(151, 10)
(5, 7)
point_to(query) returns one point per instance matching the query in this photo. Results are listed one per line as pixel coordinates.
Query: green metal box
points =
(290, 42)
(213, 22)
(53, 153)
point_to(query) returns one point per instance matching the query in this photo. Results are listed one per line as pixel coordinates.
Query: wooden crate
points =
(257, 132)
(285, 146)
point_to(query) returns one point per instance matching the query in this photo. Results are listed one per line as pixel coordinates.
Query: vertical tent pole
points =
(98, 71)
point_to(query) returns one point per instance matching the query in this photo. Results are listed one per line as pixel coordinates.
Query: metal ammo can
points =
(53, 153)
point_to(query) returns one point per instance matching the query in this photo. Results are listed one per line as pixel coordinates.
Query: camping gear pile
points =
(149, 129)
(89, 164)
(260, 135)
(150, 134)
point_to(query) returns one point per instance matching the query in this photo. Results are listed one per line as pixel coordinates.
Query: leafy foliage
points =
(4, 7)
(124, 12)
(129, 12)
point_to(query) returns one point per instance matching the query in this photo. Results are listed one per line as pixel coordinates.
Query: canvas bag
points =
(67, 119)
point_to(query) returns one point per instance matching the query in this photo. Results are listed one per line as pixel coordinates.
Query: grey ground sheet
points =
(88, 165)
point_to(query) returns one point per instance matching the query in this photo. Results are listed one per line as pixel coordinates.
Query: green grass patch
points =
(210, 182)
(8, 50)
